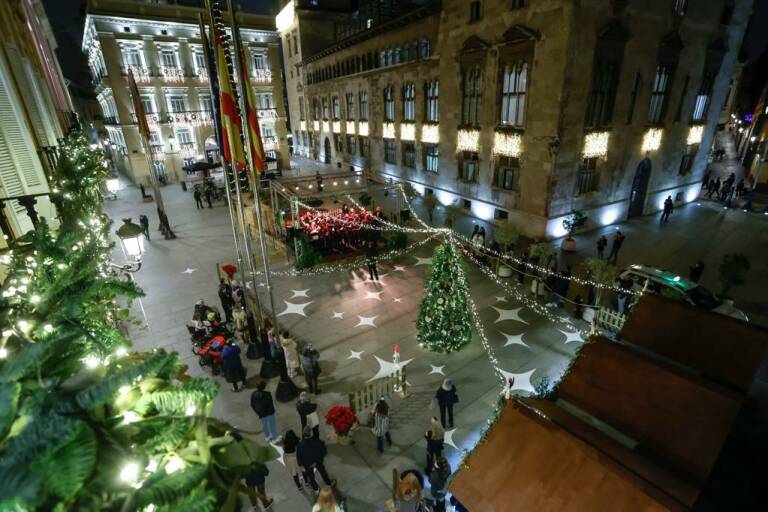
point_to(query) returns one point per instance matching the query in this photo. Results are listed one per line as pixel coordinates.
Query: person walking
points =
(198, 198)
(290, 443)
(234, 371)
(256, 480)
(310, 361)
(669, 206)
(602, 243)
(308, 414)
(435, 437)
(310, 454)
(327, 502)
(618, 241)
(264, 407)
(381, 424)
(225, 296)
(438, 481)
(370, 261)
(209, 196)
(291, 353)
(144, 222)
(446, 398)
(696, 271)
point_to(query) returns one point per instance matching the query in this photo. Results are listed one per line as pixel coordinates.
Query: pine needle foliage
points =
(444, 323)
(84, 423)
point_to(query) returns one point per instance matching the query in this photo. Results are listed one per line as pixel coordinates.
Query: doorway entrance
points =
(639, 188)
(327, 152)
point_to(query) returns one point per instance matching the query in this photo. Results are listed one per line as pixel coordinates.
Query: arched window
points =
(513, 89)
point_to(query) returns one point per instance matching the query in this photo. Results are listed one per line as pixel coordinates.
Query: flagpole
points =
(217, 134)
(256, 178)
(239, 205)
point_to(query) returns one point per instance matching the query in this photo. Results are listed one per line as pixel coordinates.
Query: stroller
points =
(209, 354)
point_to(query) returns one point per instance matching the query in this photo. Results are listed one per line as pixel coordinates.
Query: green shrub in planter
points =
(397, 241)
(306, 256)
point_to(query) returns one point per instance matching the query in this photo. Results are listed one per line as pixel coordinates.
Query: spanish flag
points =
(254, 133)
(231, 126)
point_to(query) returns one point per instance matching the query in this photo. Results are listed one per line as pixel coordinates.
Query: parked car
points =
(661, 281)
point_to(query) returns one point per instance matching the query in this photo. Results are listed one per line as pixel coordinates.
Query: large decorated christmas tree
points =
(86, 424)
(444, 323)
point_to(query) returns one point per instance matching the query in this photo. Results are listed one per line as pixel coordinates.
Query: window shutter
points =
(17, 137)
(45, 106)
(19, 64)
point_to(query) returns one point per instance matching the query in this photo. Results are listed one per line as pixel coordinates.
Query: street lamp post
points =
(131, 237)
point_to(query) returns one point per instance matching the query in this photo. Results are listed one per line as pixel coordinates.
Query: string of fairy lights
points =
(354, 264)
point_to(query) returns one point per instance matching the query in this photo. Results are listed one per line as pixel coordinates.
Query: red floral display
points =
(341, 418)
(229, 269)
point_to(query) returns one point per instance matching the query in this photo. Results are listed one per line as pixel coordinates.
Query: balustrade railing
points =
(188, 117)
(261, 76)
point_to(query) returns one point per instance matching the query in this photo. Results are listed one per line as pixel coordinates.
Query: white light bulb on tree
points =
(129, 473)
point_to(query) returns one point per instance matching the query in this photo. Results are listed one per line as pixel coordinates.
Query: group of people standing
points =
(724, 190)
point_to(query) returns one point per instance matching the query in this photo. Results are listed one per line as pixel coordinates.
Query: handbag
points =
(313, 419)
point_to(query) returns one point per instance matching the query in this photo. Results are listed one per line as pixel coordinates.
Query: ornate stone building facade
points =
(518, 109)
(161, 44)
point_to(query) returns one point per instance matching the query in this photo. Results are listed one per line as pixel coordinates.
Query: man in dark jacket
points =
(264, 407)
(256, 480)
(308, 414)
(225, 296)
(446, 396)
(310, 455)
(198, 198)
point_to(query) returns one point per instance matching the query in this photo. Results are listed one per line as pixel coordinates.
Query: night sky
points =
(67, 17)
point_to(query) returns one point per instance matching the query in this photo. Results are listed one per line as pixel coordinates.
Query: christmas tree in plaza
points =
(444, 323)
(84, 423)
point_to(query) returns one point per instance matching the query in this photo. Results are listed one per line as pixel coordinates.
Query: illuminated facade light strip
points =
(507, 144)
(430, 134)
(408, 132)
(596, 145)
(652, 139)
(468, 140)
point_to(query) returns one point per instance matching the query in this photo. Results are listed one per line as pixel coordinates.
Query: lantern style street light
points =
(131, 240)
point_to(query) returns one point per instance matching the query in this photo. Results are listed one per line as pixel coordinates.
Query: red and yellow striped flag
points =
(230, 119)
(254, 132)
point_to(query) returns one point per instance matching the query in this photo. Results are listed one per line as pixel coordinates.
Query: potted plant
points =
(571, 223)
(601, 272)
(343, 421)
(452, 211)
(430, 201)
(544, 253)
(505, 235)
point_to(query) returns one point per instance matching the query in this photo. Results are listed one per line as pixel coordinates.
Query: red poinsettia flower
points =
(341, 418)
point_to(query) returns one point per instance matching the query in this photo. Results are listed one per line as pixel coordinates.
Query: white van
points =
(690, 292)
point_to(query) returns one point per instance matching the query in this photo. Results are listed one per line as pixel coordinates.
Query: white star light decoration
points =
(366, 320)
(355, 355)
(422, 261)
(398, 268)
(188, 270)
(436, 369)
(280, 451)
(299, 293)
(397, 299)
(509, 314)
(516, 339)
(295, 309)
(338, 315)
(571, 336)
(387, 368)
(522, 381)
(448, 438)
(373, 295)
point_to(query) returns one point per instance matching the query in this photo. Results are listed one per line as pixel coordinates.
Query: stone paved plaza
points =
(355, 323)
